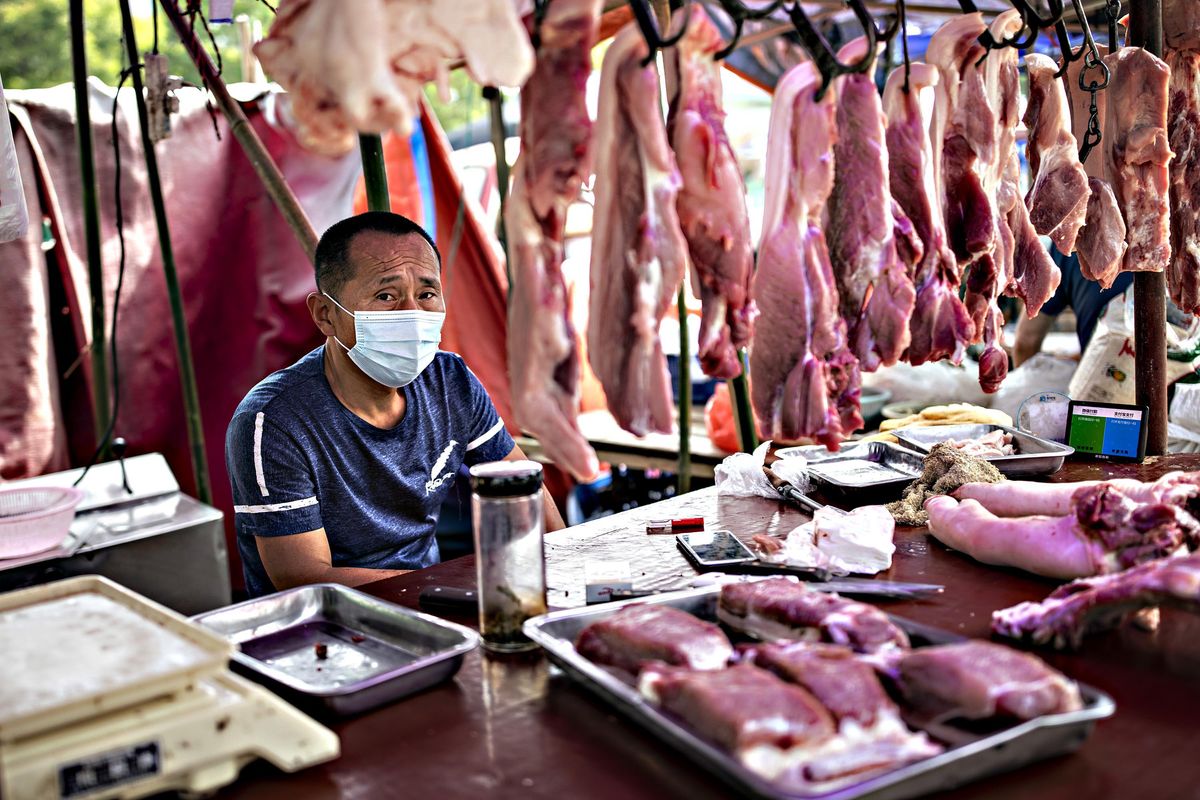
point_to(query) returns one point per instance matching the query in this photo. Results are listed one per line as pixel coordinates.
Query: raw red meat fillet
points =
(782, 609)
(543, 359)
(1089, 605)
(1101, 243)
(712, 203)
(1137, 155)
(638, 634)
(940, 326)
(638, 249)
(806, 381)
(1058, 198)
(875, 291)
(846, 686)
(977, 680)
(1183, 279)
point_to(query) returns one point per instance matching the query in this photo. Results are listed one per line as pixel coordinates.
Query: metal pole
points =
(743, 415)
(1150, 288)
(240, 127)
(187, 373)
(91, 219)
(374, 172)
(496, 107)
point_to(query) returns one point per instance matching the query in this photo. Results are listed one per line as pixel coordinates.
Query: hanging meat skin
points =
(806, 380)
(543, 359)
(1181, 24)
(940, 326)
(712, 202)
(874, 288)
(638, 249)
(1058, 198)
(1183, 278)
(1090, 605)
(1101, 243)
(364, 71)
(1138, 154)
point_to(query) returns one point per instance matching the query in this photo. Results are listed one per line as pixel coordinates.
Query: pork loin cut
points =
(712, 202)
(639, 634)
(638, 249)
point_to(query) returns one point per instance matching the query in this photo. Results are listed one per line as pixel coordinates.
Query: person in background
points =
(340, 463)
(1076, 292)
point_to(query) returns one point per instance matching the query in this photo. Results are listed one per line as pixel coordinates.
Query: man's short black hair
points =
(333, 251)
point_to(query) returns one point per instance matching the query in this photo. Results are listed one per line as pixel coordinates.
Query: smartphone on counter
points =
(712, 549)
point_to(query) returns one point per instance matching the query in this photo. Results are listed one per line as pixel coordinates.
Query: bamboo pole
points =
(1150, 288)
(91, 220)
(374, 172)
(187, 373)
(743, 415)
(240, 127)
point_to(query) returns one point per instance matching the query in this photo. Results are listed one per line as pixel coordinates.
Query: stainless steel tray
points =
(1034, 456)
(877, 471)
(375, 651)
(974, 756)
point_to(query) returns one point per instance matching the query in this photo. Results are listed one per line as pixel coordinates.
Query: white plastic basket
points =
(36, 518)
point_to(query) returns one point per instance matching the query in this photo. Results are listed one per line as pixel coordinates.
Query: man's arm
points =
(1030, 335)
(553, 520)
(304, 558)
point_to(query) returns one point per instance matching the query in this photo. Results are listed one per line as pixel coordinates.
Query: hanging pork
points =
(1181, 30)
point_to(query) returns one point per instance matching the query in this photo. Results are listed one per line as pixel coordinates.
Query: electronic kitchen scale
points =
(104, 694)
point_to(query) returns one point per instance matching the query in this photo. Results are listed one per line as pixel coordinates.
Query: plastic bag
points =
(1042, 373)
(14, 219)
(741, 474)
(938, 382)
(719, 422)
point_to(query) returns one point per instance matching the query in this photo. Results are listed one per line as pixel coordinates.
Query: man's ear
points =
(321, 309)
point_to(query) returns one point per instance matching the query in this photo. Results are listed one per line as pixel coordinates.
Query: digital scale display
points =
(1107, 430)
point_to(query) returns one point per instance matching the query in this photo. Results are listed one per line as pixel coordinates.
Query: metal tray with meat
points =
(867, 472)
(1012, 451)
(792, 719)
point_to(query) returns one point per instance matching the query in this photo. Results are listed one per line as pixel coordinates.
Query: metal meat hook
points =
(822, 54)
(1069, 54)
(738, 15)
(649, 27)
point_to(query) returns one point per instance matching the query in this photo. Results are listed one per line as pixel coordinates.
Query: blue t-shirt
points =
(299, 460)
(1084, 297)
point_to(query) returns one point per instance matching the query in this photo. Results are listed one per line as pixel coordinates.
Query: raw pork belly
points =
(978, 680)
(363, 69)
(1138, 153)
(874, 288)
(1085, 606)
(772, 726)
(1101, 243)
(543, 359)
(638, 634)
(712, 203)
(940, 326)
(777, 608)
(1058, 198)
(638, 249)
(1184, 129)
(806, 381)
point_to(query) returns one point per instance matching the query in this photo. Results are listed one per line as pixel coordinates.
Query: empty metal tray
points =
(974, 756)
(339, 648)
(1034, 455)
(857, 473)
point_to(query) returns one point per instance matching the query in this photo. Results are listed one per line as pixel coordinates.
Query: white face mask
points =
(393, 347)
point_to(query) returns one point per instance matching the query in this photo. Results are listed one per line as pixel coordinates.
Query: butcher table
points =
(512, 727)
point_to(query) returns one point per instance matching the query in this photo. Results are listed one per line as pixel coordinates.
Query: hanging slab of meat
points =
(875, 291)
(773, 727)
(777, 608)
(1183, 279)
(638, 634)
(979, 680)
(1138, 152)
(543, 358)
(806, 381)
(638, 249)
(851, 691)
(712, 203)
(1105, 531)
(1181, 24)
(1057, 200)
(363, 70)
(1091, 605)
(1101, 244)
(940, 326)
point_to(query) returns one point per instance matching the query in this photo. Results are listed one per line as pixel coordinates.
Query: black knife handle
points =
(449, 597)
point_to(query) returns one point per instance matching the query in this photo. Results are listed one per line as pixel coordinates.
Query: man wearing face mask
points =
(340, 462)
